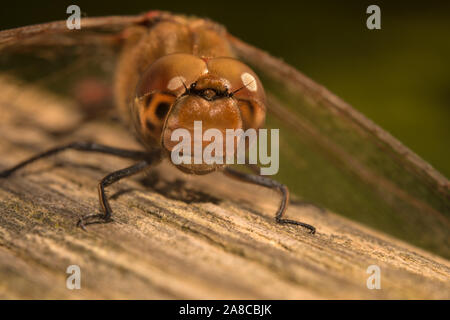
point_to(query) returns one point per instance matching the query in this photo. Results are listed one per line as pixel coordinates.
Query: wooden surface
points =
(174, 236)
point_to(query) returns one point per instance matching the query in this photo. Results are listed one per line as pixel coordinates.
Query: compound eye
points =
(170, 74)
(154, 110)
(253, 114)
(244, 83)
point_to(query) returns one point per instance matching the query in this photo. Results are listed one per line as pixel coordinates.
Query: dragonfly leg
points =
(81, 146)
(107, 181)
(272, 184)
(147, 158)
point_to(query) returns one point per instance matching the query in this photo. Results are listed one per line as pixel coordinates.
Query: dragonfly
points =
(331, 154)
(172, 72)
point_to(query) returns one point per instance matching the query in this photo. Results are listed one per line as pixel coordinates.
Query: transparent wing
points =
(56, 33)
(333, 156)
(79, 63)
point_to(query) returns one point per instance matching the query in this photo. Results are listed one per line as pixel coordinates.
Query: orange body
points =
(183, 70)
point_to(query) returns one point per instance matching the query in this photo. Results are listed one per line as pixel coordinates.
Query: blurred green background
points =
(398, 76)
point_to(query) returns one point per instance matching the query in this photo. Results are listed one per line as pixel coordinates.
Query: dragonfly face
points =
(178, 89)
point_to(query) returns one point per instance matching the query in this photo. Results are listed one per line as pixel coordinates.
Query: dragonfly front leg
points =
(107, 181)
(269, 183)
(147, 158)
(80, 146)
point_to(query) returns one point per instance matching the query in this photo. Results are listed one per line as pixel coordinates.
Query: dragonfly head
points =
(183, 95)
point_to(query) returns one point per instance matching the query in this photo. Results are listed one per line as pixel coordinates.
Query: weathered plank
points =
(174, 236)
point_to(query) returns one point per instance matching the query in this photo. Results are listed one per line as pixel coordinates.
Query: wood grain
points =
(174, 236)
